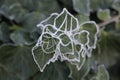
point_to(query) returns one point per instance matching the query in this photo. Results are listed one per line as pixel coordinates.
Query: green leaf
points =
(93, 30)
(82, 18)
(4, 32)
(4, 75)
(49, 20)
(82, 37)
(30, 21)
(28, 13)
(45, 7)
(17, 62)
(81, 6)
(20, 37)
(65, 39)
(104, 14)
(116, 5)
(12, 10)
(54, 71)
(16, 9)
(65, 50)
(66, 21)
(84, 67)
(30, 5)
(35, 34)
(42, 59)
(100, 4)
(102, 73)
(45, 53)
(48, 43)
(108, 45)
(17, 13)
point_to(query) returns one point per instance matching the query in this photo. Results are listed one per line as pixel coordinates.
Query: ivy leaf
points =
(29, 5)
(70, 52)
(65, 39)
(108, 45)
(93, 30)
(12, 10)
(19, 37)
(58, 70)
(46, 6)
(65, 21)
(4, 75)
(42, 59)
(82, 18)
(102, 74)
(49, 43)
(116, 5)
(45, 53)
(84, 67)
(100, 4)
(30, 21)
(40, 10)
(28, 13)
(81, 6)
(35, 34)
(4, 32)
(49, 20)
(82, 37)
(17, 62)
(104, 14)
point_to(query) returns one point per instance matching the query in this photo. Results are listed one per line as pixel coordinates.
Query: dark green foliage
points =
(18, 34)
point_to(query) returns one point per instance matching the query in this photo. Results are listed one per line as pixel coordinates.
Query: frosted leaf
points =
(81, 38)
(41, 58)
(48, 43)
(63, 37)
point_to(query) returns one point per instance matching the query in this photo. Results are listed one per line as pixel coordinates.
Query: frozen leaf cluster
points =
(64, 39)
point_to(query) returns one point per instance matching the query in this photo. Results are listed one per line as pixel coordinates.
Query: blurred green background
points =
(18, 34)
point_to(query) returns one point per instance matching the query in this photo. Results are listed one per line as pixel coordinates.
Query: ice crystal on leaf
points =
(63, 37)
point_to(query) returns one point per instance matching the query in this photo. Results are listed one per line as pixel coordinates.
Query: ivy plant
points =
(73, 40)
(64, 39)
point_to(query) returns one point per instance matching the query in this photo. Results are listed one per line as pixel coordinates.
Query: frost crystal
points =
(63, 38)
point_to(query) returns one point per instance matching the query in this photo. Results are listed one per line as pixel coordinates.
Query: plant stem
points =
(114, 19)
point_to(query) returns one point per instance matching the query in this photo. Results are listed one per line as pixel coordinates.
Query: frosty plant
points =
(64, 39)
